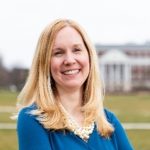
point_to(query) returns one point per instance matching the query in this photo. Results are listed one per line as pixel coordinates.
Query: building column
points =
(127, 77)
(118, 76)
(111, 77)
(102, 71)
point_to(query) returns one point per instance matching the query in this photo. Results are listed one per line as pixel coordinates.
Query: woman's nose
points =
(69, 59)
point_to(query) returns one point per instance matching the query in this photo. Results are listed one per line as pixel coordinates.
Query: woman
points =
(61, 104)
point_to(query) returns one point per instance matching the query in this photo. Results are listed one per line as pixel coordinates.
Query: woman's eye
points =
(77, 50)
(58, 53)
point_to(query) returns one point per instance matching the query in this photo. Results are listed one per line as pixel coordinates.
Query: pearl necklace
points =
(82, 132)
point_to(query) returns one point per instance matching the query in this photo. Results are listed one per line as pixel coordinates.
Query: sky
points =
(105, 21)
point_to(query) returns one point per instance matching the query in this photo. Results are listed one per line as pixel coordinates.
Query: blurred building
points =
(13, 79)
(125, 67)
(18, 77)
(4, 75)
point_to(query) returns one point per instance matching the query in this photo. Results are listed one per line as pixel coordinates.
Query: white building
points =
(125, 67)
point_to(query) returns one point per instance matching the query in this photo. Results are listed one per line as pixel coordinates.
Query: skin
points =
(70, 68)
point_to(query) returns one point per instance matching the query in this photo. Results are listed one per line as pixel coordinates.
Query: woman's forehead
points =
(68, 35)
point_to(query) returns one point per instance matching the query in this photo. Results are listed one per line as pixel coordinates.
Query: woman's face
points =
(69, 63)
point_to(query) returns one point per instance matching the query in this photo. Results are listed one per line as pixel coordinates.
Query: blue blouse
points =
(33, 136)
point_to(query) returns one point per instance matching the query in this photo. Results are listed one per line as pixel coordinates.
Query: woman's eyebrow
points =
(78, 45)
(57, 49)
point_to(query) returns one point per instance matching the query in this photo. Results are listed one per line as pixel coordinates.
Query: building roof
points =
(114, 56)
(123, 47)
(140, 61)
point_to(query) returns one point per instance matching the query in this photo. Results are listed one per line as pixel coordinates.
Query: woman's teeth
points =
(70, 72)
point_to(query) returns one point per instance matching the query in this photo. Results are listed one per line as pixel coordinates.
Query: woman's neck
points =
(72, 100)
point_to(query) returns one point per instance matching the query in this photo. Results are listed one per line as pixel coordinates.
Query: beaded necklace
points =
(83, 132)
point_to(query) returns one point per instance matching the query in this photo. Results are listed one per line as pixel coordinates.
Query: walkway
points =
(127, 126)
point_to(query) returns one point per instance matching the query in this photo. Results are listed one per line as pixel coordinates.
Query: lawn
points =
(140, 139)
(8, 140)
(8, 98)
(128, 108)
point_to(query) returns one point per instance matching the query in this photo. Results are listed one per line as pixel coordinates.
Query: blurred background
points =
(119, 29)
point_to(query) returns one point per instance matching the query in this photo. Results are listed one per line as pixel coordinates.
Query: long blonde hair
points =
(39, 88)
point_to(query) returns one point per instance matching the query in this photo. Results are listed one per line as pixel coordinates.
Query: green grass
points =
(128, 108)
(140, 139)
(6, 117)
(8, 140)
(8, 98)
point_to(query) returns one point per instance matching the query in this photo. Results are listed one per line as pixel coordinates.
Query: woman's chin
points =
(73, 86)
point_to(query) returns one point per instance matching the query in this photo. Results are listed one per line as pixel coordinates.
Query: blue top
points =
(33, 136)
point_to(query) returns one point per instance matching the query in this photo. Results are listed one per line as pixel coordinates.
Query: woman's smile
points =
(71, 72)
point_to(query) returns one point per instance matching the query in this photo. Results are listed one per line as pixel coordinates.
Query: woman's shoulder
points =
(111, 117)
(25, 113)
(27, 120)
(119, 135)
(30, 131)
